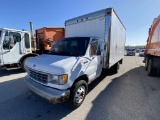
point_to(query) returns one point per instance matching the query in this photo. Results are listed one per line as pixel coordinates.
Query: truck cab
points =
(69, 60)
(14, 44)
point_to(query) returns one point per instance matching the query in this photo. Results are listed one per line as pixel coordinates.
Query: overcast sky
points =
(136, 15)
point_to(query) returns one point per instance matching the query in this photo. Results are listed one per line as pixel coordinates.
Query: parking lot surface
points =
(128, 95)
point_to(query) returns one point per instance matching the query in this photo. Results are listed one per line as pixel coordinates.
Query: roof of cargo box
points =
(55, 27)
(93, 15)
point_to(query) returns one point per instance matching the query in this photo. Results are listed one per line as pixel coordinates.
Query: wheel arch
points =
(83, 77)
(25, 56)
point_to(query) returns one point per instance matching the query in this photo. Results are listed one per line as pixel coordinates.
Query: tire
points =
(23, 63)
(146, 63)
(150, 69)
(115, 68)
(79, 91)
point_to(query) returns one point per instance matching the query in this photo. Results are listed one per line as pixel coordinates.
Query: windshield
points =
(74, 46)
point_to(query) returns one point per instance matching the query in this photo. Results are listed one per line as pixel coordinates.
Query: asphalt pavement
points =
(128, 95)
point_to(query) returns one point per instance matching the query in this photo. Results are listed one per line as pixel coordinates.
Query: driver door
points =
(10, 47)
(94, 68)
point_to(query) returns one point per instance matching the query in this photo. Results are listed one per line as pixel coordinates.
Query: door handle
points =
(85, 62)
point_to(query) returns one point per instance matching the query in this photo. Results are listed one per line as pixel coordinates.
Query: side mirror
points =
(103, 46)
(91, 51)
(9, 47)
(149, 31)
(7, 33)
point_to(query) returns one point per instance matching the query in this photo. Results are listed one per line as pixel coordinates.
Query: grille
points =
(41, 77)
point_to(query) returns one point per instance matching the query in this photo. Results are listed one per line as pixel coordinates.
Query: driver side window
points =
(10, 40)
(94, 47)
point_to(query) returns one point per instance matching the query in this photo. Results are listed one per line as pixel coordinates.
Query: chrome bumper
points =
(53, 95)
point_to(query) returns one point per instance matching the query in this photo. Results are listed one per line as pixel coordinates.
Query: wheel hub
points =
(80, 94)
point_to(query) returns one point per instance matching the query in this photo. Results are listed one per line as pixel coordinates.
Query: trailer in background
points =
(152, 57)
(46, 37)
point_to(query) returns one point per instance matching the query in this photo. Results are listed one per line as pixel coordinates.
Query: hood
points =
(52, 64)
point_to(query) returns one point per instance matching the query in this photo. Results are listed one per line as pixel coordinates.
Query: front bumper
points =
(53, 95)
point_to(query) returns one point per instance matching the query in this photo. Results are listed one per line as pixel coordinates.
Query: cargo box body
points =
(104, 24)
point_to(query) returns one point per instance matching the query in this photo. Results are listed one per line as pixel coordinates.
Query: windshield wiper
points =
(69, 53)
(74, 54)
(63, 53)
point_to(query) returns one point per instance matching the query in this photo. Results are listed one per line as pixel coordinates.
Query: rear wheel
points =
(78, 94)
(115, 67)
(150, 69)
(146, 63)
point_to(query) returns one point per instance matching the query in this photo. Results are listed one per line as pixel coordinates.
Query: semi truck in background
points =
(93, 41)
(152, 55)
(16, 46)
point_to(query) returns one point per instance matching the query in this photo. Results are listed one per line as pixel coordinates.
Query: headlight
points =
(59, 79)
(54, 78)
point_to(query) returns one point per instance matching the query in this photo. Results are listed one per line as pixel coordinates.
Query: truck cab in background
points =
(17, 46)
(14, 46)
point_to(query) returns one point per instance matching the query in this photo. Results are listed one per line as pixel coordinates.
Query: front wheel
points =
(78, 94)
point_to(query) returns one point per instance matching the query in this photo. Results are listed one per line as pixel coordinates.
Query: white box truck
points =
(93, 41)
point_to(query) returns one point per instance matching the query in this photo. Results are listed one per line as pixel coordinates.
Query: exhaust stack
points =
(33, 40)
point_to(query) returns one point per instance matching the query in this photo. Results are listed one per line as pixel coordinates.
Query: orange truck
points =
(48, 36)
(152, 57)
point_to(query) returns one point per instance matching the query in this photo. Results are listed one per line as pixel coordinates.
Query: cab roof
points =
(14, 30)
